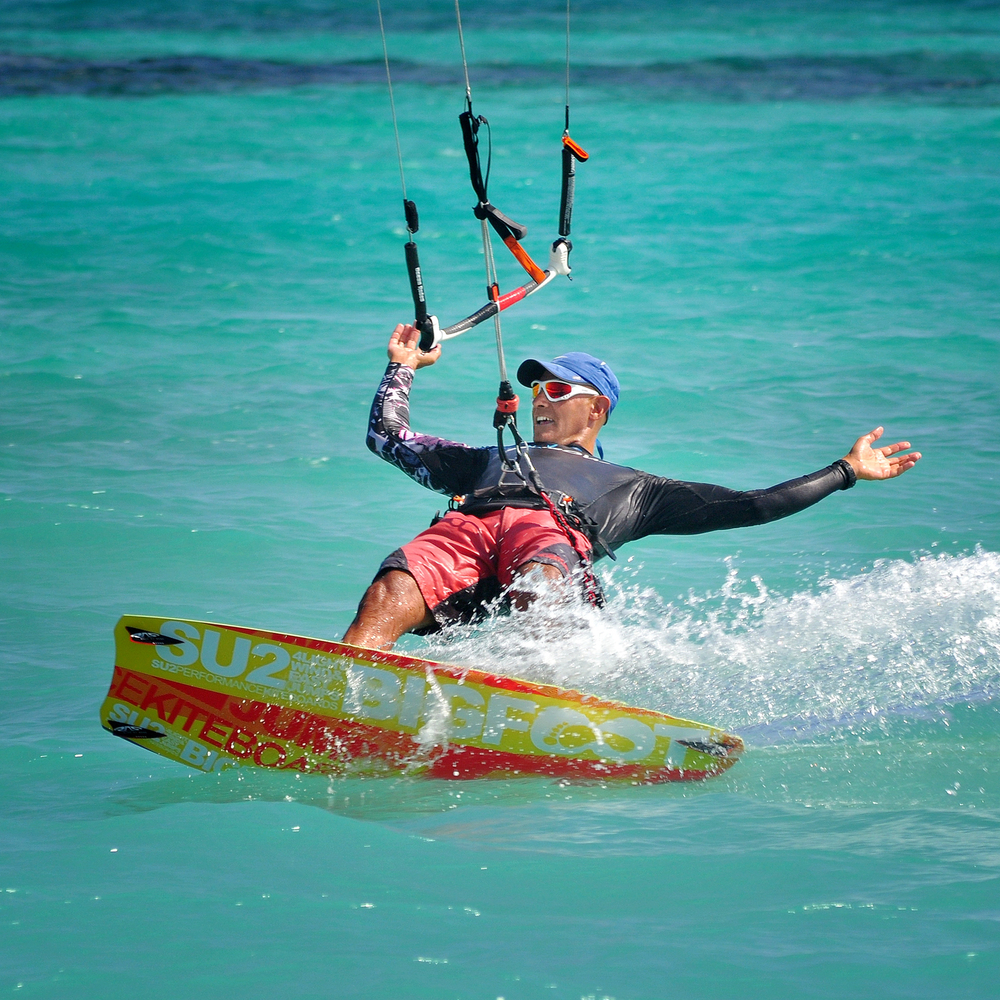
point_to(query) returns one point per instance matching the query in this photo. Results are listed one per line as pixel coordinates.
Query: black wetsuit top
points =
(622, 503)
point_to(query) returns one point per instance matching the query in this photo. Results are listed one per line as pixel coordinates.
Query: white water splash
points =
(904, 637)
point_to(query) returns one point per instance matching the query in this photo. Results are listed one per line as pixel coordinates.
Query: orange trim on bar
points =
(524, 260)
(578, 151)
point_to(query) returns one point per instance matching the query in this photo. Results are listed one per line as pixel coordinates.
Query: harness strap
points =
(591, 585)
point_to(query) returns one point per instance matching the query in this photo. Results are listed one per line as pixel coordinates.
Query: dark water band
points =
(967, 78)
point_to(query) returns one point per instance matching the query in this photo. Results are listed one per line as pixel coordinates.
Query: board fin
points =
(129, 732)
(712, 749)
(151, 638)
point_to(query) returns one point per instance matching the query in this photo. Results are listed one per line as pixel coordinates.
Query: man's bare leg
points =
(522, 599)
(391, 606)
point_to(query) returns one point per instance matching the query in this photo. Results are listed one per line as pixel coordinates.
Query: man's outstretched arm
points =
(679, 508)
(440, 465)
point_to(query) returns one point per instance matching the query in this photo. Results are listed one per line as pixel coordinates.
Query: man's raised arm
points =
(440, 465)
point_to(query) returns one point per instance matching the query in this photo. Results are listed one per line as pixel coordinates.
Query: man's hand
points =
(880, 463)
(405, 350)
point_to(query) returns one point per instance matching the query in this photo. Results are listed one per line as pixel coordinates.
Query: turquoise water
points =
(787, 234)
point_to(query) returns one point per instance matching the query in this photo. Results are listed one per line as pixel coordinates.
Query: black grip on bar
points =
(412, 219)
(568, 188)
(426, 335)
(416, 284)
(482, 314)
(421, 320)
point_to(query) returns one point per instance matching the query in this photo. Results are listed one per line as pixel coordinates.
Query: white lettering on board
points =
(186, 652)
(371, 693)
(636, 732)
(499, 717)
(276, 659)
(238, 659)
(413, 702)
(195, 754)
(551, 725)
(467, 719)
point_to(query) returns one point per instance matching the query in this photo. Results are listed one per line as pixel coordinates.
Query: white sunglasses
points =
(556, 390)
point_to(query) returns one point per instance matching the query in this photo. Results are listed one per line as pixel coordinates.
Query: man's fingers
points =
(869, 437)
(891, 449)
(903, 463)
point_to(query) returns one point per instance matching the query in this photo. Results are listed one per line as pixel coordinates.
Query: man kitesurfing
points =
(554, 509)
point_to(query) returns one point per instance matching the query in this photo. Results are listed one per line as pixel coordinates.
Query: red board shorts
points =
(463, 562)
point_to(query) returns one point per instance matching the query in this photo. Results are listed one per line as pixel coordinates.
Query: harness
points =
(520, 485)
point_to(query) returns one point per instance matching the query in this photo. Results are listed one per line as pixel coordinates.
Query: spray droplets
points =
(903, 637)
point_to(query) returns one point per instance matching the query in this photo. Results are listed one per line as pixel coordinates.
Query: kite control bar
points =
(509, 231)
(434, 334)
(431, 333)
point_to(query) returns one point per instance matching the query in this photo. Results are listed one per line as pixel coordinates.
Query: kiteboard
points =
(220, 696)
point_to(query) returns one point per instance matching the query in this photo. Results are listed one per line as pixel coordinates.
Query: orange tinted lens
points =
(557, 390)
(536, 388)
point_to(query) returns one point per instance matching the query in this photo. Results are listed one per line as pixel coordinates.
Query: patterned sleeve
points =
(442, 466)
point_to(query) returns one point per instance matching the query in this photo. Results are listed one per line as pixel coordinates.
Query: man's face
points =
(566, 421)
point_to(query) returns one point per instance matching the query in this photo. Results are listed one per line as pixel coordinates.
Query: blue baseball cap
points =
(573, 367)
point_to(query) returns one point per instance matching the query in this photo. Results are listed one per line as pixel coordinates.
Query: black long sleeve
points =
(672, 507)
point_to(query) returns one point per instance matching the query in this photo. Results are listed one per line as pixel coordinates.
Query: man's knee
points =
(528, 576)
(393, 588)
(550, 571)
(391, 606)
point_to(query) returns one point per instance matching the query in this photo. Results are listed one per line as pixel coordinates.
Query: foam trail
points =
(903, 637)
